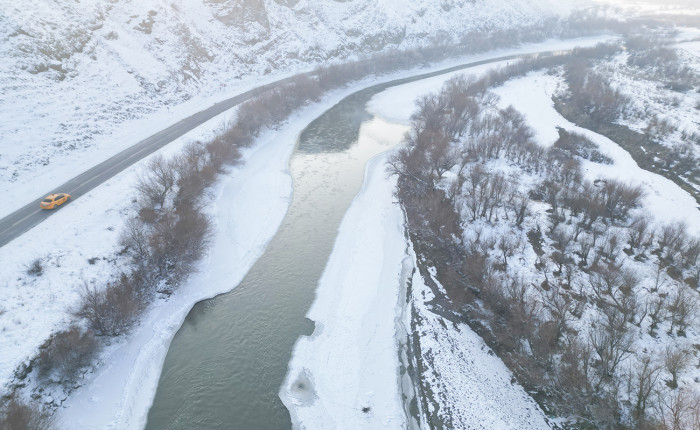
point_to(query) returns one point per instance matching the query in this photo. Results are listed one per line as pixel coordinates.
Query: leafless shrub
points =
(682, 309)
(573, 373)
(135, 238)
(639, 231)
(656, 56)
(16, 414)
(410, 165)
(656, 309)
(35, 268)
(476, 269)
(691, 253)
(579, 145)
(658, 129)
(195, 174)
(559, 306)
(610, 246)
(592, 94)
(675, 360)
(671, 240)
(612, 341)
(65, 353)
(483, 192)
(641, 383)
(507, 245)
(620, 198)
(177, 240)
(156, 181)
(148, 215)
(111, 310)
(223, 152)
(679, 411)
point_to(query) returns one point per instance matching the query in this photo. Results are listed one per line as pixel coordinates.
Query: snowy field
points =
(653, 7)
(650, 99)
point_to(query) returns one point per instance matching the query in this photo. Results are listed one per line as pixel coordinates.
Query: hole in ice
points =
(302, 388)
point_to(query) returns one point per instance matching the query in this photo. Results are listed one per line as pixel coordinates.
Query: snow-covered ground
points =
(651, 99)
(80, 81)
(78, 244)
(666, 201)
(34, 307)
(470, 384)
(346, 374)
(653, 7)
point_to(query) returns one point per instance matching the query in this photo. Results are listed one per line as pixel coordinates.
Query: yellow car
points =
(54, 200)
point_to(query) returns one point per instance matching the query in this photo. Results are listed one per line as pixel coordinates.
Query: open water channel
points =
(227, 362)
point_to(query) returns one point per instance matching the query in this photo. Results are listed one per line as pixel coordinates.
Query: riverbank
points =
(345, 374)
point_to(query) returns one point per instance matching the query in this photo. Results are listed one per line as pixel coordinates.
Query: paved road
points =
(23, 219)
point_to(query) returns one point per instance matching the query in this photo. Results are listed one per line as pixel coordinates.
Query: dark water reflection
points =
(338, 127)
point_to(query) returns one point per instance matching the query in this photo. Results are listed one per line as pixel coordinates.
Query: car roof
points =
(52, 196)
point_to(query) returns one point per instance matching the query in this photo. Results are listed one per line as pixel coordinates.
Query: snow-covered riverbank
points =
(345, 375)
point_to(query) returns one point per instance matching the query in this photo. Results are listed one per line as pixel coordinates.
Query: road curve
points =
(23, 219)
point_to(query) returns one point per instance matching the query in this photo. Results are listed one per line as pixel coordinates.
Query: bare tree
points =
(692, 252)
(672, 238)
(675, 360)
(679, 411)
(657, 312)
(16, 414)
(65, 353)
(157, 180)
(559, 306)
(642, 380)
(507, 245)
(639, 231)
(682, 309)
(612, 341)
(135, 238)
(110, 310)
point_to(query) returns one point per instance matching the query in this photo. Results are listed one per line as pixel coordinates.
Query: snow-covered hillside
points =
(80, 80)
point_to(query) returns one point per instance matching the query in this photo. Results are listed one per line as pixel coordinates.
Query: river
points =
(226, 363)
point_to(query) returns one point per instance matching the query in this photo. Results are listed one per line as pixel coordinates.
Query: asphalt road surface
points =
(23, 219)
